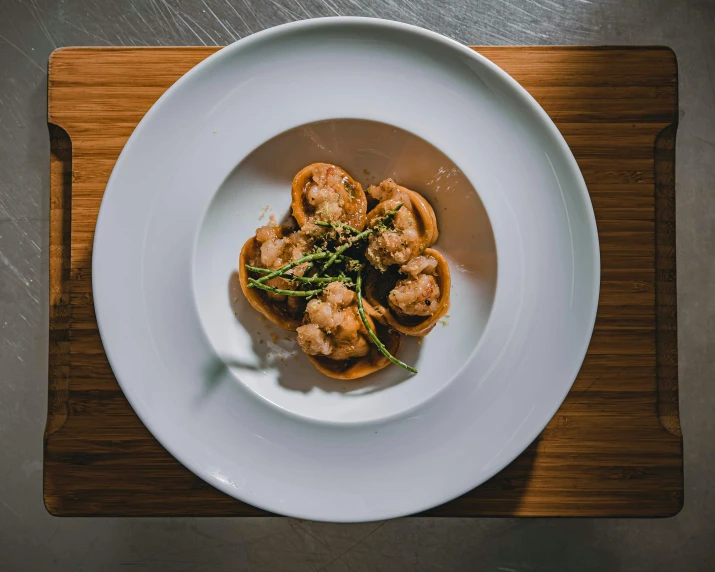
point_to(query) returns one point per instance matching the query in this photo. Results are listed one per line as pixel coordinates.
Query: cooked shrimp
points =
(327, 192)
(333, 327)
(419, 265)
(279, 246)
(387, 190)
(398, 243)
(418, 294)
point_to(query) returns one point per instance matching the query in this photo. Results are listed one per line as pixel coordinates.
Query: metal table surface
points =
(31, 539)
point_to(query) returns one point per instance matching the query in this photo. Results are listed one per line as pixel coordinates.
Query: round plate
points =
(231, 396)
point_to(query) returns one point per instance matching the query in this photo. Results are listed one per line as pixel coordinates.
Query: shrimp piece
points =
(279, 246)
(399, 242)
(418, 294)
(332, 326)
(325, 192)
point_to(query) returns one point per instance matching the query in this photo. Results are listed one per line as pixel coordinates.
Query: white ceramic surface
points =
(267, 359)
(222, 145)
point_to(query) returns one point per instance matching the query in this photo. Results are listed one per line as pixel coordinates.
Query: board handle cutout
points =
(665, 281)
(59, 267)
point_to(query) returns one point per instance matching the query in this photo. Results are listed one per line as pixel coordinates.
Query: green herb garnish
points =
(371, 333)
(302, 293)
(283, 269)
(350, 266)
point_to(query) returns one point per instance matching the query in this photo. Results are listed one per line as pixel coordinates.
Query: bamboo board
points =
(615, 446)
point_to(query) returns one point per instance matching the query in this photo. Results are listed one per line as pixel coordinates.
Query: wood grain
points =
(613, 449)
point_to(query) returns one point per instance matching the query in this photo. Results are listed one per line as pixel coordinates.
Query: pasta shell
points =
(426, 212)
(355, 201)
(276, 311)
(423, 214)
(355, 368)
(378, 287)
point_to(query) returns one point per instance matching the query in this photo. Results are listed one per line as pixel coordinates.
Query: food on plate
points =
(271, 248)
(335, 338)
(326, 192)
(349, 282)
(414, 227)
(414, 297)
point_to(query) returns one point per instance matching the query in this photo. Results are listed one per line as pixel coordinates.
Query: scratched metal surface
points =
(32, 540)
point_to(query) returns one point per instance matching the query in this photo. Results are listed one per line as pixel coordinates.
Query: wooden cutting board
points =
(615, 446)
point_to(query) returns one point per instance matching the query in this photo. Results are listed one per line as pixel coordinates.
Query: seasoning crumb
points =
(260, 342)
(444, 322)
(419, 342)
(295, 358)
(265, 210)
(274, 338)
(286, 338)
(272, 220)
(366, 172)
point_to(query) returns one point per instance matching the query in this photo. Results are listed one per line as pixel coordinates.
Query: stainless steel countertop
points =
(30, 539)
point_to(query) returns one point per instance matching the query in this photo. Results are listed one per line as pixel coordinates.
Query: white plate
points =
(235, 400)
